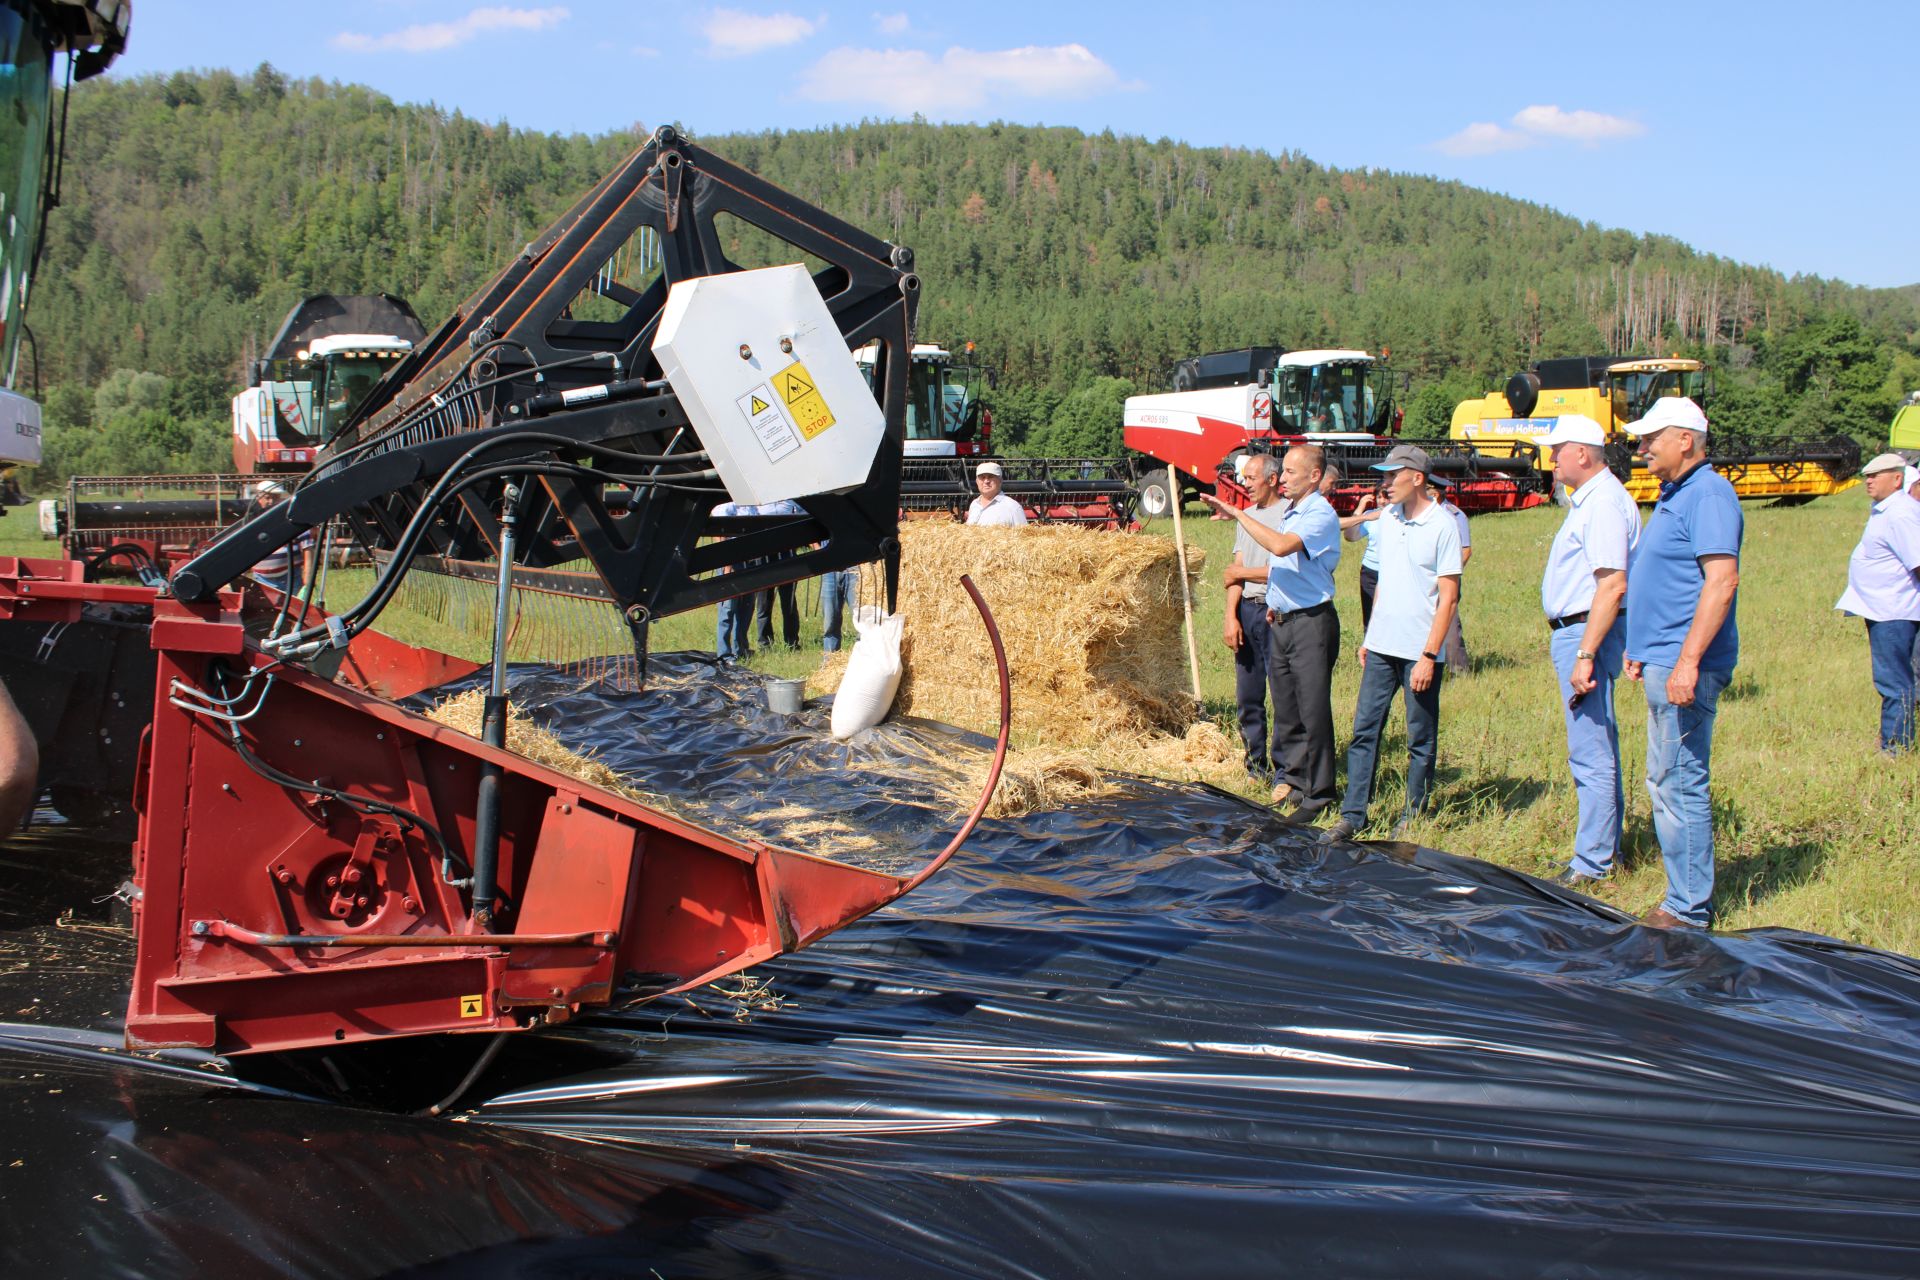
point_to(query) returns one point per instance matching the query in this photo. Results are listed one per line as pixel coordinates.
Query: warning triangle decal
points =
(794, 384)
(759, 405)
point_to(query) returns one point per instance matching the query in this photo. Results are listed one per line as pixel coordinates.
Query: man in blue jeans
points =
(1406, 639)
(1581, 592)
(1683, 641)
(839, 593)
(1883, 587)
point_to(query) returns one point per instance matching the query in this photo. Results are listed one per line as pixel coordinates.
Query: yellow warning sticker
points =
(473, 1006)
(803, 399)
(758, 406)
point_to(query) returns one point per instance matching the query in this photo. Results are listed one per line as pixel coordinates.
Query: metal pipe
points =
(999, 748)
(222, 929)
(493, 729)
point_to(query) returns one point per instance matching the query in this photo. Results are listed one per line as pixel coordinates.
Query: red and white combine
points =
(1230, 404)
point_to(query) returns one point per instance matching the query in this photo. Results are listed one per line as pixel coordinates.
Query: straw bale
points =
(1091, 622)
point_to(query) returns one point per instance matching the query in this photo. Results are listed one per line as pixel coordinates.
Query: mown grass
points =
(1815, 829)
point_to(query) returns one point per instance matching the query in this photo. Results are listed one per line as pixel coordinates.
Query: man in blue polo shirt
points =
(1303, 631)
(1682, 641)
(1406, 640)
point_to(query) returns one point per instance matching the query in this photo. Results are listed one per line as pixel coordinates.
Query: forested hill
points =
(199, 207)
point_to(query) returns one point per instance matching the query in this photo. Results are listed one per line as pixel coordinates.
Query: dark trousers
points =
(1250, 684)
(1301, 650)
(1379, 682)
(763, 617)
(1369, 583)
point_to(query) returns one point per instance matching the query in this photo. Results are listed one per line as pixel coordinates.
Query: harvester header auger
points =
(316, 864)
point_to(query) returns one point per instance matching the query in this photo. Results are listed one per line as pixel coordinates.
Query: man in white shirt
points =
(1406, 640)
(993, 507)
(1883, 587)
(1581, 592)
(1246, 621)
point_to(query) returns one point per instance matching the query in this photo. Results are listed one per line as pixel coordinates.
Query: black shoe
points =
(1571, 879)
(1341, 831)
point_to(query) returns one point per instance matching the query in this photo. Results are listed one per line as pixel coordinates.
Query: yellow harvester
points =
(1615, 390)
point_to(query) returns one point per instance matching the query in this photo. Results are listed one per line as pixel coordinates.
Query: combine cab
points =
(950, 431)
(319, 369)
(1230, 404)
(1614, 391)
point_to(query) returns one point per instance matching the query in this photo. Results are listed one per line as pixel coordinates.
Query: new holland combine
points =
(1229, 404)
(315, 864)
(1614, 390)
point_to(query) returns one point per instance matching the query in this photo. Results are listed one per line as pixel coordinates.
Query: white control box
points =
(767, 380)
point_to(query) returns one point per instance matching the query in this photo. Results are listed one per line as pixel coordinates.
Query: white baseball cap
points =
(1912, 477)
(1576, 428)
(988, 469)
(267, 487)
(1670, 411)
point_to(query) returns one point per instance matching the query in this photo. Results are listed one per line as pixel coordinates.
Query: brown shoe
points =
(1282, 792)
(1661, 918)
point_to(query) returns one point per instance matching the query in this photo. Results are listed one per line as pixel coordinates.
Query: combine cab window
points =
(1331, 397)
(25, 71)
(344, 385)
(940, 400)
(1634, 393)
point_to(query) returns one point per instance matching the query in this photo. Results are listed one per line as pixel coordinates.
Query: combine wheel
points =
(1154, 499)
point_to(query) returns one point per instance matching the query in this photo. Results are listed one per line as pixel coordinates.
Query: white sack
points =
(873, 673)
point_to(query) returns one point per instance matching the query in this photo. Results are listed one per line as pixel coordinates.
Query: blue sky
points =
(1772, 134)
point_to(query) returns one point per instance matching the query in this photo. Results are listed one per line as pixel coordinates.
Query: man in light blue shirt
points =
(1245, 630)
(1303, 631)
(1581, 594)
(1682, 640)
(1406, 640)
(1883, 587)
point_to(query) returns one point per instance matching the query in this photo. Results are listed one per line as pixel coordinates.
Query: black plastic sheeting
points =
(1154, 1035)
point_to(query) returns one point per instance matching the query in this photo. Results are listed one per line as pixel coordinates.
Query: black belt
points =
(1554, 624)
(1308, 612)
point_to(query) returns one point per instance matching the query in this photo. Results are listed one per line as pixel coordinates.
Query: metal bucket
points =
(784, 697)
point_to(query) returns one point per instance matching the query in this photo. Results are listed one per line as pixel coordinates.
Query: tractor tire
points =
(1155, 502)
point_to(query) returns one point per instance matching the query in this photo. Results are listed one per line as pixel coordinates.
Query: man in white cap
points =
(1245, 630)
(1582, 591)
(1883, 587)
(1683, 641)
(1406, 638)
(993, 507)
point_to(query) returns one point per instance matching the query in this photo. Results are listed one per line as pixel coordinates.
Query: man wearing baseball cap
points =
(993, 507)
(1683, 641)
(1581, 592)
(1406, 639)
(1883, 587)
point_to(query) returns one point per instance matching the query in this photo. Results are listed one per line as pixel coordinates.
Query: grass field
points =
(1815, 829)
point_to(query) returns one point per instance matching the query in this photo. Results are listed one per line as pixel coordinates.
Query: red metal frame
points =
(271, 916)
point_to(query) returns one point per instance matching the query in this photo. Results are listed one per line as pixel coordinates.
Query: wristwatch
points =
(1581, 655)
(1431, 657)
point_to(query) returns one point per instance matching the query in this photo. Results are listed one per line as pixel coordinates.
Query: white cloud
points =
(911, 80)
(891, 24)
(1536, 126)
(732, 34)
(432, 37)
(1577, 126)
(644, 51)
